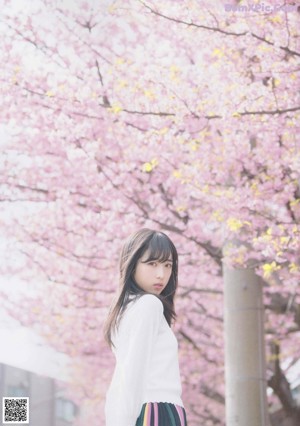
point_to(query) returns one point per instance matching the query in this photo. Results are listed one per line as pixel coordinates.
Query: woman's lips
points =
(158, 285)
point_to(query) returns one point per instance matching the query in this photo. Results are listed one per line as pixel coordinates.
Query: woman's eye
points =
(169, 265)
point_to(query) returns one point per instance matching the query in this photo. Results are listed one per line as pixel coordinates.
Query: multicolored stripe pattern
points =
(161, 414)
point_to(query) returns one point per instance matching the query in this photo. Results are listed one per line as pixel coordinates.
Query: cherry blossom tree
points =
(182, 116)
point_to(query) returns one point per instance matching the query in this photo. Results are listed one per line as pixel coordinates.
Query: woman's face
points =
(152, 276)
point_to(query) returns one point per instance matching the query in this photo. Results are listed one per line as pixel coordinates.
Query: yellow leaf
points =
(149, 166)
(177, 173)
(122, 83)
(120, 61)
(234, 224)
(174, 73)
(115, 109)
(181, 209)
(293, 267)
(236, 114)
(290, 123)
(149, 94)
(218, 216)
(269, 268)
(284, 240)
(49, 94)
(263, 48)
(295, 202)
(286, 136)
(239, 260)
(174, 69)
(162, 131)
(112, 8)
(194, 147)
(276, 19)
(218, 52)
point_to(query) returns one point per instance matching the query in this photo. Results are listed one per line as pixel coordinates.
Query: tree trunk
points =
(281, 387)
(246, 402)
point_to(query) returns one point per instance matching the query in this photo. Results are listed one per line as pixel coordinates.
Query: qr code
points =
(15, 410)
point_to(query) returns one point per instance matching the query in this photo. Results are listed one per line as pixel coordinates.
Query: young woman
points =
(146, 388)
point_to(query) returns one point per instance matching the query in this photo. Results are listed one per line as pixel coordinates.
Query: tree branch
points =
(219, 30)
(271, 112)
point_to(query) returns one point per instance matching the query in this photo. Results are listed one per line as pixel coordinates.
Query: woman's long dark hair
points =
(161, 248)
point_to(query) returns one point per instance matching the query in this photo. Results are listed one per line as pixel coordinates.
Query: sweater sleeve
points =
(137, 338)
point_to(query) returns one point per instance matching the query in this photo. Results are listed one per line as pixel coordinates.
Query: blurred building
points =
(48, 405)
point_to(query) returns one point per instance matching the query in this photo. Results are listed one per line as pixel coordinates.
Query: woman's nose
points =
(160, 271)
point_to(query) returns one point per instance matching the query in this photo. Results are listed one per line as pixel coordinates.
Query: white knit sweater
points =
(147, 368)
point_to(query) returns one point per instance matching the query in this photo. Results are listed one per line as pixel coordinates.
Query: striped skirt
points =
(161, 414)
